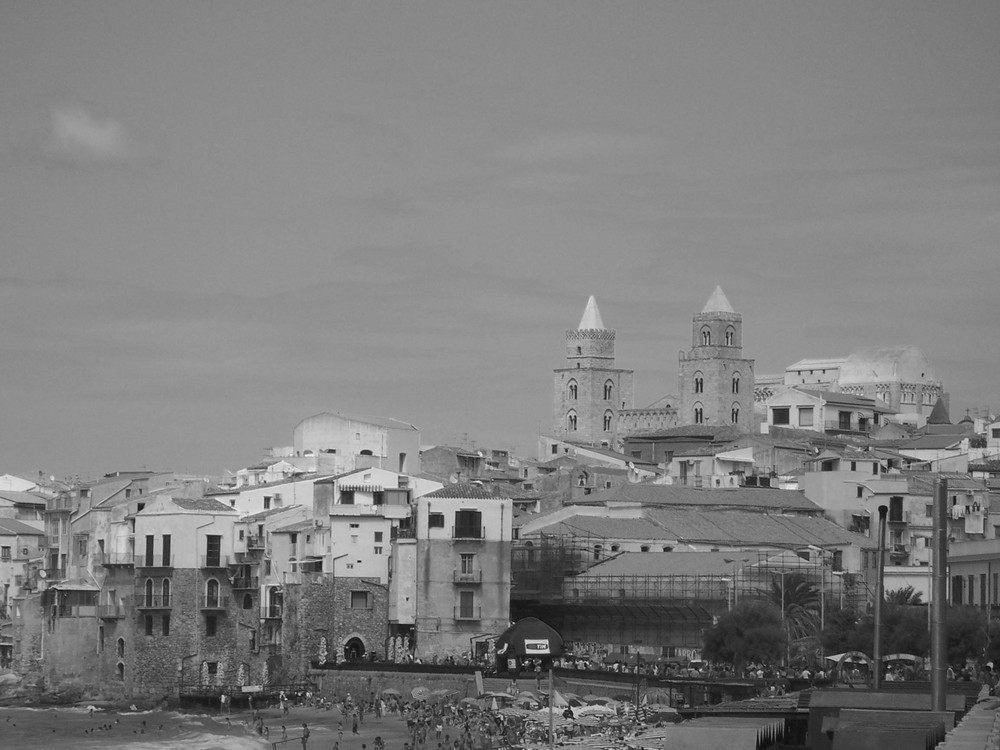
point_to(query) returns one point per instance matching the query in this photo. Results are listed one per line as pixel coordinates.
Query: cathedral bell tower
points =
(716, 380)
(590, 390)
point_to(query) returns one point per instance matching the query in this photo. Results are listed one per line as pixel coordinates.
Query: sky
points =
(217, 219)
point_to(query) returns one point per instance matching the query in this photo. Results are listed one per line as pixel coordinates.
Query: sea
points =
(82, 729)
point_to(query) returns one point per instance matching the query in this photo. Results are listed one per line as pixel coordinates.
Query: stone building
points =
(590, 389)
(716, 381)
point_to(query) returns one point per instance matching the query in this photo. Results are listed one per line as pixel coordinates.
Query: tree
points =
(967, 637)
(751, 631)
(800, 599)
(904, 596)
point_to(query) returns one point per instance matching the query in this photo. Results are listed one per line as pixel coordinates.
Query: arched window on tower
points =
(579, 350)
(706, 336)
(573, 389)
(699, 383)
(571, 421)
(609, 388)
(165, 592)
(734, 415)
(699, 414)
(730, 337)
(212, 593)
(736, 383)
(608, 419)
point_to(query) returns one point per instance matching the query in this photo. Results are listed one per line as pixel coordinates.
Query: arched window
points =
(247, 601)
(699, 383)
(571, 421)
(609, 388)
(736, 383)
(149, 592)
(735, 414)
(120, 648)
(165, 590)
(699, 414)
(529, 553)
(706, 336)
(212, 593)
(579, 350)
(121, 672)
(572, 390)
(608, 417)
(730, 337)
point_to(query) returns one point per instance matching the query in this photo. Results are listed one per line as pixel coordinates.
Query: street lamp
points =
(735, 561)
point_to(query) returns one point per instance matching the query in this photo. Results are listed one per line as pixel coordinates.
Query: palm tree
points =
(799, 599)
(906, 596)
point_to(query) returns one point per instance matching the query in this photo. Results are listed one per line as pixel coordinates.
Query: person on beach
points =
(305, 735)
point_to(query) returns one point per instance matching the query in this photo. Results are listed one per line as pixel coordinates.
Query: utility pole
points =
(939, 635)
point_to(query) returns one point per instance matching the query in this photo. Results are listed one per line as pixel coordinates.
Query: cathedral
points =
(593, 402)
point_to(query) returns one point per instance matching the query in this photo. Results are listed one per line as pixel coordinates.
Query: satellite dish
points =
(42, 574)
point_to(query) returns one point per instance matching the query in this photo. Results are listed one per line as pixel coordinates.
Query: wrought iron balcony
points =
(213, 602)
(246, 583)
(271, 613)
(153, 601)
(468, 613)
(110, 611)
(154, 561)
(214, 561)
(472, 576)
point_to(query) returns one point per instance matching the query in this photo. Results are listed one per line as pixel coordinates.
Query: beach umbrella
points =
(595, 710)
(392, 691)
(420, 693)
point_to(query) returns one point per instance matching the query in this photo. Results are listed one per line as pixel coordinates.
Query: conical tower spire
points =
(717, 302)
(591, 319)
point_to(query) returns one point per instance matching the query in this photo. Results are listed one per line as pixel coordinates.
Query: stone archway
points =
(354, 649)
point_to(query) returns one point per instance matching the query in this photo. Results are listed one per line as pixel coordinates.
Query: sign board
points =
(536, 647)
(252, 688)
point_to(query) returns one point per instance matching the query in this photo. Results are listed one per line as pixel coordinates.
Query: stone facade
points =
(716, 381)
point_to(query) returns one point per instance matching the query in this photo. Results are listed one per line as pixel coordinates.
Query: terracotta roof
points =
(13, 526)
(202, 503)
(666, 494)
(465, 491)
(670, 563)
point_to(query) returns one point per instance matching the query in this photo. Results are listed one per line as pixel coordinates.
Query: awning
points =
(739, 456)
(74, 586)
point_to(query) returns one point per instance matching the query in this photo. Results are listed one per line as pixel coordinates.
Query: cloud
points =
(79, 137)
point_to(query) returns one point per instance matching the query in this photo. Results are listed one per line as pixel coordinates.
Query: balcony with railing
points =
(110, 611)
(467, 577)
(213, 602)
(214, 561)
(154, 561)
(57, 504)
(468, 532)
(273, 612)
(468, 613)
(255, 544)
(116, 559)
(241, 584)
(153, 601)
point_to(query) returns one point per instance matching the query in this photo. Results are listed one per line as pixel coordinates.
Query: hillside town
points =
(632, 530)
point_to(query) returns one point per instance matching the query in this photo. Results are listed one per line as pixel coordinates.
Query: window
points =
(213, 551)
(468, 524)
(267, 502)
(995, 433)
(212, 593)
(4, 553)
(378, 536)
(805, 416)
(468, 563)
(861, 491)
(247, 601)
(378, 550)
(212, 668)
(211, 626)
(699, 414)
(166, 624)
(571, 421)
(149, 624)
(360, 600)
(614, 547)
(120, 648)
(572, 390)
(780, 415)
(644, 548)
(165, 591)
(466, 604)
(597, 552)
(734, 414)
(736, 383)
(706, 337)
(699, 383)
(608, 390)
(730, 336)
(435, 520)
(607, 421)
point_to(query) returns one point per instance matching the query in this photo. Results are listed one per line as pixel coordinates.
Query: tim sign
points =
(536, 647)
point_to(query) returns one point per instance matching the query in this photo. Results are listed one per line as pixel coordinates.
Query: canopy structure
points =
(528, 638)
